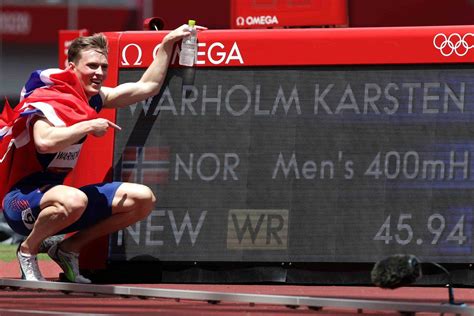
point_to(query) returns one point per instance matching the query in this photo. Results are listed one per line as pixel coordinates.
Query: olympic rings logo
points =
(454, 43)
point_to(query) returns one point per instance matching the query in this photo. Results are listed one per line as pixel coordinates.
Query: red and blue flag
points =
(54, 94)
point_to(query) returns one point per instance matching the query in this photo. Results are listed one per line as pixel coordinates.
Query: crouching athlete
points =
(40, 143)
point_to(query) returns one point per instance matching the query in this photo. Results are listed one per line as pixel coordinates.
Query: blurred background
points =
(29, 28)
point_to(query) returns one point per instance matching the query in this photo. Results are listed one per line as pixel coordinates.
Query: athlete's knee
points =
(136, 198)
(75, 203)
(144, 200)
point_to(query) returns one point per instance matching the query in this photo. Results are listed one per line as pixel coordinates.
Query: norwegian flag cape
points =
(54, 94)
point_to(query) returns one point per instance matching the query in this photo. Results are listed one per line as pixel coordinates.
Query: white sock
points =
(28, 255)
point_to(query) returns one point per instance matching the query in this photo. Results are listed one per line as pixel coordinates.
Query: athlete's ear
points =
(71, 65)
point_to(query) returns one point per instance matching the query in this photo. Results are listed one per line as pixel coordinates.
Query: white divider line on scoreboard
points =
(215, 297)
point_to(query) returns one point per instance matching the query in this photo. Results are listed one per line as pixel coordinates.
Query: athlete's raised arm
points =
(151, 81)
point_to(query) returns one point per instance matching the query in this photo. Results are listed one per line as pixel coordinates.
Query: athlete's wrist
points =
(84, 127)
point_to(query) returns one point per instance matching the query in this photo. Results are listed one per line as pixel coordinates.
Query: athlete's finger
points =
(114, 126)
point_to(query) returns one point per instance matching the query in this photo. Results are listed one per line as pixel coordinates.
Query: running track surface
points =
(28, 302)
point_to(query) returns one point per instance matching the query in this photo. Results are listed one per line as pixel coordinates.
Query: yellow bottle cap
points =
(191, 22)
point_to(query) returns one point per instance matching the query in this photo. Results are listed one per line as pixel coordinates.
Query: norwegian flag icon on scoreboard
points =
(146, 165)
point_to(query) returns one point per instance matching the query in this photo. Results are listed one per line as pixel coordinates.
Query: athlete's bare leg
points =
(132, 202)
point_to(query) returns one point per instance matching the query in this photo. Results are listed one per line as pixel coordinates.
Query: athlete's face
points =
(91, 69)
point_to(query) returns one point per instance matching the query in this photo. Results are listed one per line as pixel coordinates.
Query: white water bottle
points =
(189, 46)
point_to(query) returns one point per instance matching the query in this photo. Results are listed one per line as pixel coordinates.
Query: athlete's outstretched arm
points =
(52, 139)
(151, 81)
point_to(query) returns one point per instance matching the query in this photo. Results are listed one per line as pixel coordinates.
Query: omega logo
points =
(257, 20)
(138, 60)
(216, 53)
(240, 21)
